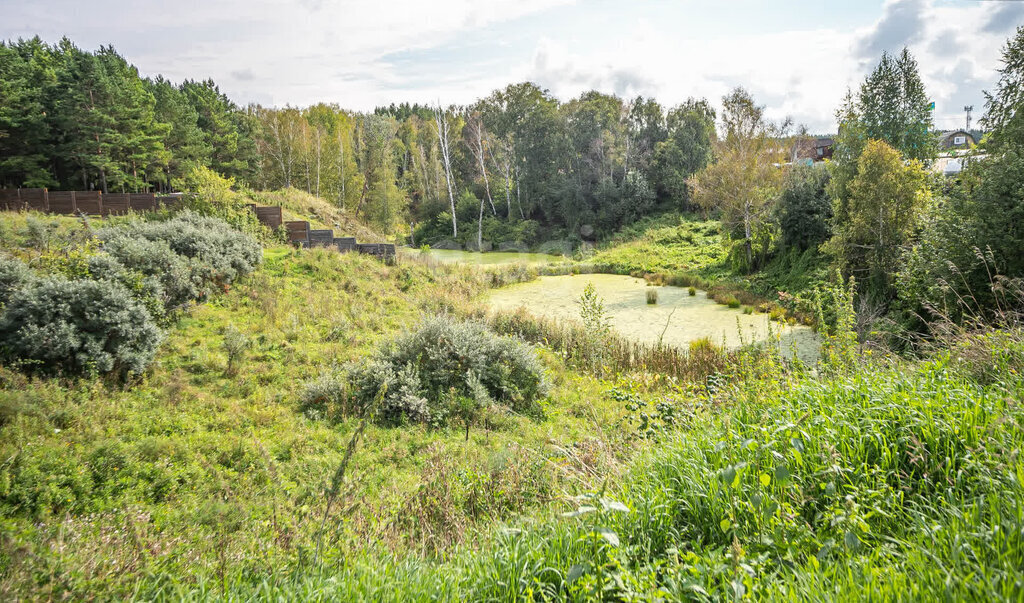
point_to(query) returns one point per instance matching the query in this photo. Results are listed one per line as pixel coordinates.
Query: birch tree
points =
(443, 137)
(746, 176)
(475, 131)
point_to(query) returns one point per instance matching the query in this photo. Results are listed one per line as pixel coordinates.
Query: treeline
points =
(514, 166)
(922, 248)
(71, 119)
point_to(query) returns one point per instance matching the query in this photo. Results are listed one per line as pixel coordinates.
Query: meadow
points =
(647, 474)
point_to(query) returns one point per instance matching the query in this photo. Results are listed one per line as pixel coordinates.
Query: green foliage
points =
(211, 195)
(222, 253)
(592, 312)
(180, 279)
(1003, 117)
(685, 151)
(892, 106)
(14, 275)
(236, 344)
(84, 120)
(55, 325)
(745, 179)
(652, 296)
(804, 209)
(445, 365)
(836, 319)
(669, 244)
(887, 198)
(967, 262)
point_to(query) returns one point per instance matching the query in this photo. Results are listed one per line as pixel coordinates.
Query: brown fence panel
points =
(298, 231)
(115, 203)
(34, 198)
(271, 216)
(380, 250)
(89, 202)
(142, 201)
(321, 238)
(9, 199)
(62, 202)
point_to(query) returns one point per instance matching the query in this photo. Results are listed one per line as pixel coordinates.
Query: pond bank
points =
(677, 319)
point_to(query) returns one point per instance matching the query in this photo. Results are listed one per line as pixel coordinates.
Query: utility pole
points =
(968, 109)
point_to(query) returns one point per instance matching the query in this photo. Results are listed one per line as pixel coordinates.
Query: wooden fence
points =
(299, 233)
(85, 202)
(100, 204)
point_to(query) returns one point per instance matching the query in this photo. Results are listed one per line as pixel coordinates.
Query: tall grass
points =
(613, 353)
(884, 484)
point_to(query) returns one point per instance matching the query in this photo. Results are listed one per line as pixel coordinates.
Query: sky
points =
(798, 58)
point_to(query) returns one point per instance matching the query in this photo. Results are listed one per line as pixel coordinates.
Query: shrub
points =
(235, 345)
(731, 301)
(223, 253)
(179, 277)
(327, 397)
(692, 291)
(430, 372)
(75, 327)
(210, 194)
(147, 289)
(14, 275)
(652, 296)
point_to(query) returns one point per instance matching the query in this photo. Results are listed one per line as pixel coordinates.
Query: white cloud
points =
(363, 53)
(799, 74)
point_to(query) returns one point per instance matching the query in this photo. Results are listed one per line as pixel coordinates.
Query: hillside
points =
(202, 457)
(214, 474)
(300, 205)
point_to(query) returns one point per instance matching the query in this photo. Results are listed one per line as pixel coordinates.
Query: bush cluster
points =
(98, 312)
(57, 325)
(13, 276)
(221, 253)
(434, 372)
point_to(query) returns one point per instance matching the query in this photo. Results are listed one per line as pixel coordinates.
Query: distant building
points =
(956, 140)
(813, 149)
(823, 148)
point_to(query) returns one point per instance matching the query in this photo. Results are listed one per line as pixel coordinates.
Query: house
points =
(950, 140)
(823, 148)
(813, 149)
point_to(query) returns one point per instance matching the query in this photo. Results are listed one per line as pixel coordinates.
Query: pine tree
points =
(26, 75)
(894, 107)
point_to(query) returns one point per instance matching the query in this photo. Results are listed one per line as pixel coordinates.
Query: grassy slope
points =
(300, 205)
(195, 481)
(886, 483)
(99, 485)
(667, 244)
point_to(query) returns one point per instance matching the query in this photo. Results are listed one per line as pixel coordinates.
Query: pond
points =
(486, 258)
(681, 317)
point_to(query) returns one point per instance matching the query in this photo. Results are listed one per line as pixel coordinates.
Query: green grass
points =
(666, 245)
(200, 459)
(890, 480)
(883, 484)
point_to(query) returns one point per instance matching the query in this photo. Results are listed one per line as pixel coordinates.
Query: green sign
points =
(931, 106)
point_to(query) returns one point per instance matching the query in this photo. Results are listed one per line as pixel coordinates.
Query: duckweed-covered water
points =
(679, 316)
(487, 258)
